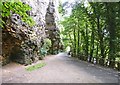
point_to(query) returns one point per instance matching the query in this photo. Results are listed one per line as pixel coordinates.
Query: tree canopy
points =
(93, 32)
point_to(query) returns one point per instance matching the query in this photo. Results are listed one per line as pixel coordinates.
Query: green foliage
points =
(45, 47)
(47, 43)
(18, 8)
(43, 52)
(93, 31)
(61, 9)
(35, 67)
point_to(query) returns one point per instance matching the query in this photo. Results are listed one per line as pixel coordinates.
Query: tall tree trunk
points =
(97, 53)
(78, 49)
(74, 33)
(100, 35)
(83, 46)
(92, 46)
(86, 41)
(111, 27)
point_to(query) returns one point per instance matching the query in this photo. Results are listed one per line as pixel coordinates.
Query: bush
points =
(45, 48)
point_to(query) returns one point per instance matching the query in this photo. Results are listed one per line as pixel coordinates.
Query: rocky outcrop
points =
(22, 43)
(52, 29)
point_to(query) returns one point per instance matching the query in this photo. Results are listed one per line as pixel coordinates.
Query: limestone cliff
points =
(22, 43)
(52, 30)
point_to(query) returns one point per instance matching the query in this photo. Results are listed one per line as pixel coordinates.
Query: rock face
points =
(22, 43)
(52, 28)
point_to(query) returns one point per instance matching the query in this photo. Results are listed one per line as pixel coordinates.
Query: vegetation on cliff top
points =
(18, 7)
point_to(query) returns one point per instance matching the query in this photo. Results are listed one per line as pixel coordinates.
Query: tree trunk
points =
(74, 42)
(92, 46)
(100, 35)
(78, 49)
(111, 28)
(97, 53)
(86, 41)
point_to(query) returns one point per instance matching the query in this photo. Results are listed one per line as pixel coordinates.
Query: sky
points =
(70, 1)
(68, 9)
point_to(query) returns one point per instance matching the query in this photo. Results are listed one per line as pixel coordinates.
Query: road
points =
(59, 69)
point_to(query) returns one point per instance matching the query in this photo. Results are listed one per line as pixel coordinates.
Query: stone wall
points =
(22, 43)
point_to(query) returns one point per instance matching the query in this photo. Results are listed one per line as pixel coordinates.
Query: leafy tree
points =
(94, 32)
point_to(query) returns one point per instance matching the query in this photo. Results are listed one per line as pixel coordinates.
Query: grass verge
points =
(35, 67)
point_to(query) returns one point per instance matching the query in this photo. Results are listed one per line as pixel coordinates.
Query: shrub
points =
(46, 46)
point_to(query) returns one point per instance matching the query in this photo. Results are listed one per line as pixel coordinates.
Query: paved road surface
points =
(59, 69)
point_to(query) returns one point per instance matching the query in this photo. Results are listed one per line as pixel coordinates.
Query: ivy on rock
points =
(18, 7)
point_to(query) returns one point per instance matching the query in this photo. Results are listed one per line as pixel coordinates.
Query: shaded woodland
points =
(93, 32)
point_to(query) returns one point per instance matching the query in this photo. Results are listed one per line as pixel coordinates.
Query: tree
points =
(96, 32)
